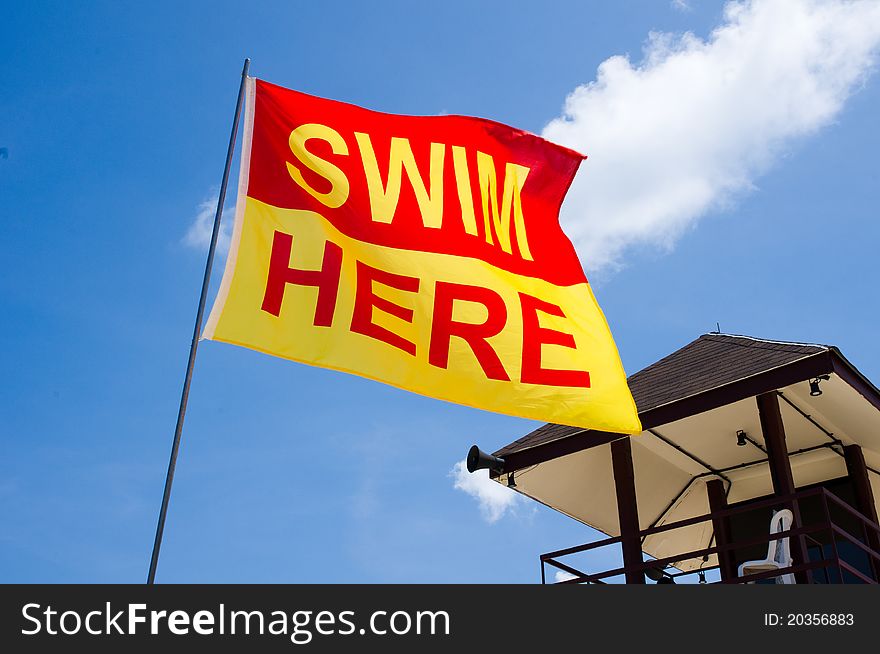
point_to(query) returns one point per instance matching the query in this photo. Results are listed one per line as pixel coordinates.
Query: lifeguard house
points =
(759, 463)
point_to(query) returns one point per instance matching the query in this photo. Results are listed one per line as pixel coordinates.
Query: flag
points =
(424, 252)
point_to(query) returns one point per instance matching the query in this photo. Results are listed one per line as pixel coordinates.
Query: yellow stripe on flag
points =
(401, 322)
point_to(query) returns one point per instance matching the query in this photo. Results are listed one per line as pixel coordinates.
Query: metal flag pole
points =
(172, 463)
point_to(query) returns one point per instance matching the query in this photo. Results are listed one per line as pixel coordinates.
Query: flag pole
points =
(175, 447)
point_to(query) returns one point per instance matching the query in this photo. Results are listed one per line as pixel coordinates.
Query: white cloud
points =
(691, 127)
(562, 575)
(198, 235)
(494, 499)
(680, 5)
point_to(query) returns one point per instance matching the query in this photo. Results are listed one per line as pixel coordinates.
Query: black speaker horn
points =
(477, 459)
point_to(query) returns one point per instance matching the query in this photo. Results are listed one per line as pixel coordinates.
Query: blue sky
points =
(115, 119)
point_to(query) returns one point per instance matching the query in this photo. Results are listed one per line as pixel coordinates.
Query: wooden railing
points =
(870, 532)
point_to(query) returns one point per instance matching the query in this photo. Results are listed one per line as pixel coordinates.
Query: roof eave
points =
(821, 363)
(852, 376)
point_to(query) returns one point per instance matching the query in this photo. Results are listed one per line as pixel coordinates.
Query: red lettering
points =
(534, 336)
(365, 299)
(281, 274)
(475, 335)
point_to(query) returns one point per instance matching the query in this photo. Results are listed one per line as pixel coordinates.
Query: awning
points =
(692, 405)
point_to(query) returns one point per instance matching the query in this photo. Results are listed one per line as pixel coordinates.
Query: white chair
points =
(778, 551)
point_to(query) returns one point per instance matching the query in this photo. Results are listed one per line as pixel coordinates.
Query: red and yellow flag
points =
(423, 252)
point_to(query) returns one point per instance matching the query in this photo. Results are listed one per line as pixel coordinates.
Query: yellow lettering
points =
(463, 182)
(511, 202)
(338, 193)
(384, 198)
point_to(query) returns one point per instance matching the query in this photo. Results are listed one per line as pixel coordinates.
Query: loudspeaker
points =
(479, 460)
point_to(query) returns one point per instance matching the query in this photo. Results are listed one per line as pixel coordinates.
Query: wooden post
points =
(627, 509)
(858, 475)
(721, 527)
(780, 470)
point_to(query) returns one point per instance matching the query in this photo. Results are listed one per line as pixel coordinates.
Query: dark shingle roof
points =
(710, 361)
